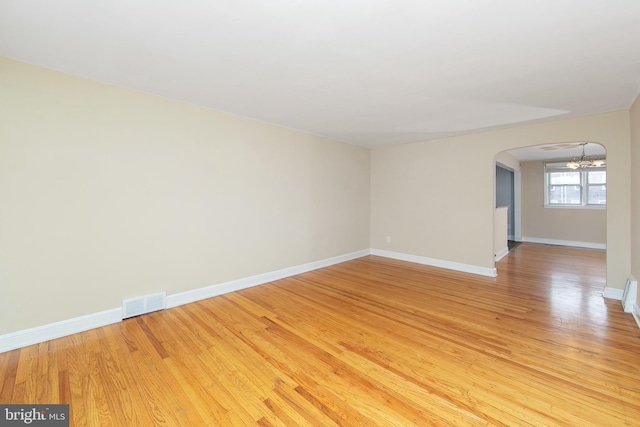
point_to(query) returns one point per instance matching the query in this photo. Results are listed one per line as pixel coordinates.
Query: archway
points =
(555, 203)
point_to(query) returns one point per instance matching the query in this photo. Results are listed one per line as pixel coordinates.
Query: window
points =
(597, 187)
(578, 188)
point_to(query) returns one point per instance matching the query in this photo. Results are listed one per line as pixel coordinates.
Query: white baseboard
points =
(63, 328)
(247, 282)
(613, 293)
(501, 254)
(449, 265)
(617, 295)
(636, 314)
(577, 244)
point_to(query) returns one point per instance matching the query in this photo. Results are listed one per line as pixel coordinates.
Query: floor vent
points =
(136, 306)
(629, 295)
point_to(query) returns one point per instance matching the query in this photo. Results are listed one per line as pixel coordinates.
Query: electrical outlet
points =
(388, 239)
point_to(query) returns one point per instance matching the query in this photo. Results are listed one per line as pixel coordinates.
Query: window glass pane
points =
(558, 178)
(597, 195)
(564, 195)
(597, 177)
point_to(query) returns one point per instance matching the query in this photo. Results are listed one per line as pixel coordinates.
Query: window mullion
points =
(583, 186)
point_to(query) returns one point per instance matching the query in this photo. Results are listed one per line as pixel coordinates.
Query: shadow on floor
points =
(513, 244)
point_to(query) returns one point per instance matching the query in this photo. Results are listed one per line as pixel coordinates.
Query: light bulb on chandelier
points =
(585, 162)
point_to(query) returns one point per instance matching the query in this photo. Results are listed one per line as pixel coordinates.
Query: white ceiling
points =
(369, 72)
(566, 150)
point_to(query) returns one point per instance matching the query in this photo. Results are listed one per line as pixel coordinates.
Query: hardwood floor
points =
(373, 342)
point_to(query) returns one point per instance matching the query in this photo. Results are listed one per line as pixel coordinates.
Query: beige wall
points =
(108, 193)
(577, 225)
(500, 234)
(436, 198)
(635, 191)
(508, 160)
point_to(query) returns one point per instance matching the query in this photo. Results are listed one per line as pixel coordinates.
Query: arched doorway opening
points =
(559, 194)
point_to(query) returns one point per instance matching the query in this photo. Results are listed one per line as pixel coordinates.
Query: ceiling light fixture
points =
(585, 162)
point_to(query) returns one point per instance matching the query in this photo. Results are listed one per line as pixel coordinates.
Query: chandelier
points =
(585, 162)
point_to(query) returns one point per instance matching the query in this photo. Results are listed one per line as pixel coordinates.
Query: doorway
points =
(505, 196)
(524, 184)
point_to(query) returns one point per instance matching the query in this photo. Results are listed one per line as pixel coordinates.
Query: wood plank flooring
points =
(372, 342)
